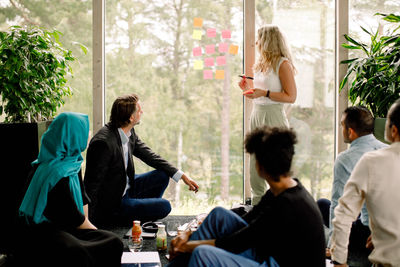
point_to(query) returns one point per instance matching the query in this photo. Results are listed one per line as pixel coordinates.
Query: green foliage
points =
(33, 73)
(375, 79)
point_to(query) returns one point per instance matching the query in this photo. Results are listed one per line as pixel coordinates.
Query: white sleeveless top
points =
(268, 81)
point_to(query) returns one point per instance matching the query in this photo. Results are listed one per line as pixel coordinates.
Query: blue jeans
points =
(143, 202)
(219, 223)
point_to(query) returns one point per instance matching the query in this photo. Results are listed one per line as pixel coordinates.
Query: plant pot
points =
(19, 144)
(379, 129)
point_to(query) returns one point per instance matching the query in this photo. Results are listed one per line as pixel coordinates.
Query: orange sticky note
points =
(233, 49)
(197, 34)
(219, 74)
(207, 74)
(197, 22)
(198, 65)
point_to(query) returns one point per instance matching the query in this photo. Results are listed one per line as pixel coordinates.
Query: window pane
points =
(309, 27)
(196, 123)
(73, 19)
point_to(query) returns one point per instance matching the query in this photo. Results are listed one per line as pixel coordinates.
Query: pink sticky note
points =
(221, 61)
(210, 49)
(197, 51)
(209, 61)
(211, 32)
(223, 47)
(207, 74)
(226, 34)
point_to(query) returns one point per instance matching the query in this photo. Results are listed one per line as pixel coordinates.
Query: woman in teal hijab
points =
(53, 206)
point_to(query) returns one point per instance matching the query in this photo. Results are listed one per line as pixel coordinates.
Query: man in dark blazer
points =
(116, 192)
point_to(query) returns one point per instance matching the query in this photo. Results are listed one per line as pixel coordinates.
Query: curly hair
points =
(273, 149)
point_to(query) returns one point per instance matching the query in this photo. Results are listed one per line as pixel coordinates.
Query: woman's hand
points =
(257, 93)
(243, 84)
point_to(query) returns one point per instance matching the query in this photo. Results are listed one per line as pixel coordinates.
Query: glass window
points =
(182, 58)
(309, 27)
(74, 20)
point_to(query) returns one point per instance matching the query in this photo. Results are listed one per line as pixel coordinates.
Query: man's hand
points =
(369, 244)
(192, 184)
(328, 253)
(176, 244)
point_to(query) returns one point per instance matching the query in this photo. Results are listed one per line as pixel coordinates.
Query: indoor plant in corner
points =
(33, 82)
(374, 78)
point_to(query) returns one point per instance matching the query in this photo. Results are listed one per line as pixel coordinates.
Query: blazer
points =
(105, 175)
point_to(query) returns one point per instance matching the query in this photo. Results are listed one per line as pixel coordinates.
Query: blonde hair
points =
(271, 46)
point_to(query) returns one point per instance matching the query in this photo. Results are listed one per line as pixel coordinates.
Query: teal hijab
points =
(59, 157)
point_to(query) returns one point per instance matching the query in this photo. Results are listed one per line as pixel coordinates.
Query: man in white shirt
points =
(375, 180)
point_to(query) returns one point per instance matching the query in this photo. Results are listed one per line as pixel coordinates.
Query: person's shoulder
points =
(343, 157)
(105, 135)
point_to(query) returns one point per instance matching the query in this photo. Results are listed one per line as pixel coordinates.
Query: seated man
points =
(110, 180)
(284, 228)
(375, 181)
(357, 128)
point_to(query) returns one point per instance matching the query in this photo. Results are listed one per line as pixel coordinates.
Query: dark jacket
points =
(105, 175)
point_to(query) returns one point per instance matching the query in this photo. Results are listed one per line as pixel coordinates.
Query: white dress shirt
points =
(125, 140)
(375, 180)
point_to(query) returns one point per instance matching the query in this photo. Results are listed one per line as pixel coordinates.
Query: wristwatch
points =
(267, 95)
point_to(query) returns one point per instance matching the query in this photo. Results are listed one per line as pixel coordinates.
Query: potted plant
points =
(374, 78)
(33, 83)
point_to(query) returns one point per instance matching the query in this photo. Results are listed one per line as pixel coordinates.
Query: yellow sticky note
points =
(198, 65)
(233, 49)
(196, 34)
(219, 74)
(197, 22)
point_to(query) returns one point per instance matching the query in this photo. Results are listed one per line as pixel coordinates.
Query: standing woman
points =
(58, 232)
(274, 85)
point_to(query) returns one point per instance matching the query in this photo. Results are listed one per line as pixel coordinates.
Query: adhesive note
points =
(207, 74)
(219, 74)
(233, 49)
(210, 49)
(223, 47)
(226, 34)
(209, 61)
(197, 22)
(197, 34)
(211, 32)
(221, 61)
(198, 65)
(197, 51)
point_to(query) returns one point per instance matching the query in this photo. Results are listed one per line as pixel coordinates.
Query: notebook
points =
(142, 259)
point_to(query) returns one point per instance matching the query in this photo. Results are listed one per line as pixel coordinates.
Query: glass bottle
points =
(137, 240)
(161, 240)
